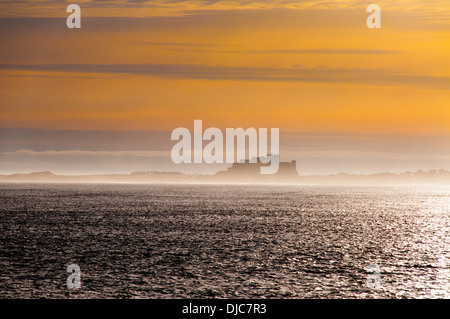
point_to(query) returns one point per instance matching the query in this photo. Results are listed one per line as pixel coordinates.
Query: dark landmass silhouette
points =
(241, 173)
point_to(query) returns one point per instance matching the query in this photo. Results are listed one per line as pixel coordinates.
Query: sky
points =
(105, 98)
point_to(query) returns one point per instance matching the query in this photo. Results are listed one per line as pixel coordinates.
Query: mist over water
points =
(212, 241)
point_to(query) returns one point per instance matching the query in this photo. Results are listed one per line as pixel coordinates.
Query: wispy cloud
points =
(327, 51)
(13, 139)
(195, 48)
(184, 7)
(221, 48)
(175, 44)
(88, 153)
(207, 72)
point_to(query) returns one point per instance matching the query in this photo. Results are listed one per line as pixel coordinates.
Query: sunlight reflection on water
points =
(181, 241)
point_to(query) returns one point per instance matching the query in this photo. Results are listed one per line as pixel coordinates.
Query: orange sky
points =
(302, 67)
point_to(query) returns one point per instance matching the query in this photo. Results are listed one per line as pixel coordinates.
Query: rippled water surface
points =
(180, 241)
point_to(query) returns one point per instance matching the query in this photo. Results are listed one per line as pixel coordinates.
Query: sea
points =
(224, 241)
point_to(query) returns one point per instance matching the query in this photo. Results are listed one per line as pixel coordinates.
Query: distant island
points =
(241, 173)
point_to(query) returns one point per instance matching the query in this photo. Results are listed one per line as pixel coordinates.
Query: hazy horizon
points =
(104, 98)
(122, 152)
